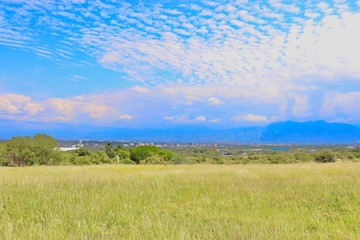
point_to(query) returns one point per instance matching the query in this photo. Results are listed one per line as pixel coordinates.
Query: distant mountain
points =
(184, 134)
(318, 132)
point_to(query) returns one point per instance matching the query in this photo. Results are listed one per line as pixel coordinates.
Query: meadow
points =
(283, 201)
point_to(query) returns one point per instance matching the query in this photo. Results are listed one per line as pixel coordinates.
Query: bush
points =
(25, 151)
(325, 158)
(4, 161)
(177, 159)
(122, 153)
(100, 158)
(150, 154)
(83, 152)
(218, 160)
(126, 161)
(82, 160)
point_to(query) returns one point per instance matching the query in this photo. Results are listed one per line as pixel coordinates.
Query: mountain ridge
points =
(289, 132)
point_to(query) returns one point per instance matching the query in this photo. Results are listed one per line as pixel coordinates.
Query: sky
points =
(166, 63)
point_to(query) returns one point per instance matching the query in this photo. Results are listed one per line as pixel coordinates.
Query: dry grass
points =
(298, 201)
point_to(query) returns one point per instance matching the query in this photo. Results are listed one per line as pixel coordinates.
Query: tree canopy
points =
(25, 151)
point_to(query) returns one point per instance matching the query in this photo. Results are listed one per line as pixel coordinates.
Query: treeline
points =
(235, 155)
(44, 150)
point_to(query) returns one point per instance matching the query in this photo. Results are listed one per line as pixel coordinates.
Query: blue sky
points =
(168, 63)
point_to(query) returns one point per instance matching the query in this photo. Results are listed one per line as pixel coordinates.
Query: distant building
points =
(80, 144)
(67, 149)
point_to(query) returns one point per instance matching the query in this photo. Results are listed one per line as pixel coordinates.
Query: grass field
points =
(295, 201)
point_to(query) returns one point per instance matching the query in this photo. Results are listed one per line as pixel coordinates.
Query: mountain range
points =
(287, 132)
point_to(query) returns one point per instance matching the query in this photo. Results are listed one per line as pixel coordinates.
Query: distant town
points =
(223, 148)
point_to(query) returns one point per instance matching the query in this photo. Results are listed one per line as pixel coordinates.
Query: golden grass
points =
(295, 201)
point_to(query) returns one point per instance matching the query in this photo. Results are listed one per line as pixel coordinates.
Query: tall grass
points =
(300, 201)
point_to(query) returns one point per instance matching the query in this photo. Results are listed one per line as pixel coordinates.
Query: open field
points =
(294, 201)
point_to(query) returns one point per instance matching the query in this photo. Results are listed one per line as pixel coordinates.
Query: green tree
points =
(108, 150)
(43, 147)
(19, 151)
(325, 158)
(150, 154)
(22, 151)
(3, 159)
(83, 152)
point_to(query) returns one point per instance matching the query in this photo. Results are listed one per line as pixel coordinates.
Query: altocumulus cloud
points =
(280, 60)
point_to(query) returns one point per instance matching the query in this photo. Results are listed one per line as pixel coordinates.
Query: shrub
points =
(83, 152)
(25, 151)
(122, 153)
(217, 160)
(126, 161)
(325, 158)
(177, 159)
(150, 154)
(82, 160)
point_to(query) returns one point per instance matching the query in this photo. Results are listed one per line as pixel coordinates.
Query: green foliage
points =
(83, 152)
(82, 160)
(123, 155)
(126, 161)
(108, 150)
(84, 156)
(26, 151)
(19, 151)
(325, 158)
(177, 159)
(43, 147)
(39, 150)
(150, 154)
(100, 158)
(218, 160)
(3, 157)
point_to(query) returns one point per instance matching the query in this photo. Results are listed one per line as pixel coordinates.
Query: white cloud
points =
(139, 89)
(96, 111)
(33, 108)
(215, 101)
(342, 106)
(64, 108)
(323, 6)
(215, 120)
(126, 117)
(7, 106)
(224, 55)
(301, 107)
(169, 118)
(178, 118)
(77, 77)
(274, 64)
(20, 107)
(173, 12)
(200, 119)
(249, 118)
(18, 104)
